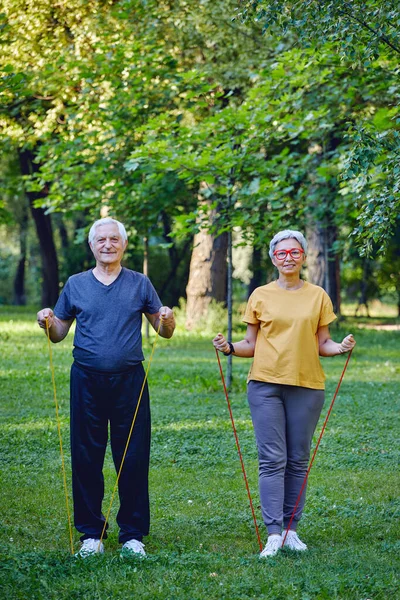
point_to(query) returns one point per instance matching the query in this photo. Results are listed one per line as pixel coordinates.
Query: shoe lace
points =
(294, 540)
(134, 545)
(274, 542)
(90, 544)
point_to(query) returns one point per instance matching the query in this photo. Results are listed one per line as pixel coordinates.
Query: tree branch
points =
(369, 28)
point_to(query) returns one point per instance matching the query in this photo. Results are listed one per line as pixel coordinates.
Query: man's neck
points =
(107, 273)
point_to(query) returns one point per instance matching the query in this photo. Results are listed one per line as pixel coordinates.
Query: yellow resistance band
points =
(59, 436)
(129, 436)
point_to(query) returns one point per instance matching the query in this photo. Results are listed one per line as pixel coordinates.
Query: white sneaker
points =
(132, 548)
(273, 544)
(293, 541)
(89, 547)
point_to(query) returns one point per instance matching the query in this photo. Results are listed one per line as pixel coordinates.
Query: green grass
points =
(202, 542)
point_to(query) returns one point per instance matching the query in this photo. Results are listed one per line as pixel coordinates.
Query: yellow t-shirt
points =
(286, 349)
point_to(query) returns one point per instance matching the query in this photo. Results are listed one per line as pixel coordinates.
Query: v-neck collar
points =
(107, 285)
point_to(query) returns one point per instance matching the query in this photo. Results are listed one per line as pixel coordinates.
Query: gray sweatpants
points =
(284, 419)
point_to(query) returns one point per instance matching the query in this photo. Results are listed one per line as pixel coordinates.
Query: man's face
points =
(108, 247)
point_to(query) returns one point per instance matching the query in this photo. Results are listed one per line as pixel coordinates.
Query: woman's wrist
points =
(230, 349)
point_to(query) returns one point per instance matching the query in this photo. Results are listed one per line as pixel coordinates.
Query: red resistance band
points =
(239, 452)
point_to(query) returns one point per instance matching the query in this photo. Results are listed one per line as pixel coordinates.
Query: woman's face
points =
(289, 265)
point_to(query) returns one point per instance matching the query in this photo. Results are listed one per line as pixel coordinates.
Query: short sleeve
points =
(327, 315)
(152, 302)
(250, 314)
(64, 308)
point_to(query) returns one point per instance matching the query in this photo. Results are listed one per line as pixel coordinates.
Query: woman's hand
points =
(327, 347)
(244, 348)
(220, 343)
(347, 344)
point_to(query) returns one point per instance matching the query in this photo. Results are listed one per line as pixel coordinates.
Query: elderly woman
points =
(287, 328)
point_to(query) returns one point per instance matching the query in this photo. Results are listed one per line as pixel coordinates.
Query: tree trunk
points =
(146, 272)
(363, 301)
(44, 231)
(62, 230)
(178, 259)
(87, 256)
(334, 270)
(316, 255)
(323, 267)
(230, 308)
(19, 281)
(208, 271)
(258, 277)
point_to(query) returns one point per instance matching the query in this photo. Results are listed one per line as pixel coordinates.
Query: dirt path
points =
(394, 327)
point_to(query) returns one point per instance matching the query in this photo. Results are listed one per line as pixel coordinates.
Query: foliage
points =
(202, 541)
(364, 35)
(206, 326)
(359, 30)
(287, 150)
(287, 115)
(164, 90)
(115, 72)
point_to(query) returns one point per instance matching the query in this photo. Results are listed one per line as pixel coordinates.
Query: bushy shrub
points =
(216, 319)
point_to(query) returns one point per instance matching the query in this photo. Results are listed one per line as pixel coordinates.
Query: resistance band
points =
(239, 452)
(59, 436)
(129, 435)
(316, 448)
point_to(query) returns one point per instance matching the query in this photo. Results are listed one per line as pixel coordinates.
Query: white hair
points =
(287, 234)
(106, 221)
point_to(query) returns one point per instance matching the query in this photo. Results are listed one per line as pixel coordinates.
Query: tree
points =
(208, 271)
(39, 46)
(363, 34)
(283, 144)
(133, 104)
(44, 231)
(70, 113)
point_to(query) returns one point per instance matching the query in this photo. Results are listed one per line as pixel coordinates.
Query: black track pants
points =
(99, 398)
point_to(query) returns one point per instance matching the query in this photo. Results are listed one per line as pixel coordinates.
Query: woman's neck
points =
(290, 283)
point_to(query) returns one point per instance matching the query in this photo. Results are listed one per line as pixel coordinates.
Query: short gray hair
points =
(287, 234)
(106, 221)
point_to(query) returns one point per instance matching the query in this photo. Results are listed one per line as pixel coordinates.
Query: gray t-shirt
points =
(108, 333)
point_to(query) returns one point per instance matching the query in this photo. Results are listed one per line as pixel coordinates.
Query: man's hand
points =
(58, 328)
(166, 315)
(45, 313)
(167, 322)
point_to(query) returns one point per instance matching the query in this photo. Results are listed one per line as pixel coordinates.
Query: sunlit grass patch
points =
(202, 542)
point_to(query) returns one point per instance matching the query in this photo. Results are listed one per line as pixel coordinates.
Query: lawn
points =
(202, 543)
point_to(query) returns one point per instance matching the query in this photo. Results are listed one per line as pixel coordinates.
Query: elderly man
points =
(106, 379)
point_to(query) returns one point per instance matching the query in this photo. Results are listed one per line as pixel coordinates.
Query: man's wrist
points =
(231, 349)
(167, 321)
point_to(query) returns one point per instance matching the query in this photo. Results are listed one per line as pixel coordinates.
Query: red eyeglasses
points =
(295, 253)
